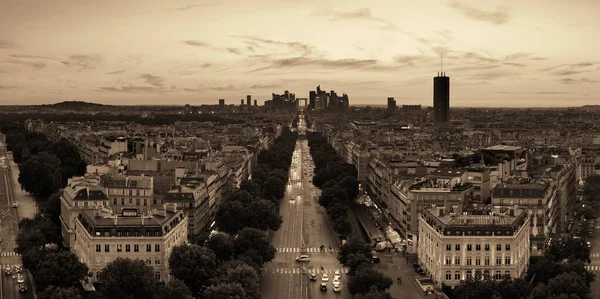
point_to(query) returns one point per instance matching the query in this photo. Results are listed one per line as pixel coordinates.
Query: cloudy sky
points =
(497, 53)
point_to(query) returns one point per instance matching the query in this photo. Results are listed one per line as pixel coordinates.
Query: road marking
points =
(592, 268)
(310, 249)
(311, 271)
(595, 255)
(9, 253)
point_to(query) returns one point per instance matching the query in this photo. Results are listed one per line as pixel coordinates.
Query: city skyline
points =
(498, 53)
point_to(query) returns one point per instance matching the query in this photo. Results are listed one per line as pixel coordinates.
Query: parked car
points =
(324, 277)
(323, 286)
(313, 276)
(375, 259)
(336, 286)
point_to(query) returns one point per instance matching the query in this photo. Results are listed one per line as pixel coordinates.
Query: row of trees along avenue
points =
(336, 179)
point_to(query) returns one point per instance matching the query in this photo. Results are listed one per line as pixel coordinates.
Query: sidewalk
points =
(26, 204)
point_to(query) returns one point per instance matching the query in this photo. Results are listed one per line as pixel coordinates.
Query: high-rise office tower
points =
(242, 102)
(255, 103)
(249, 100)
(441, 98)
(311, 99)
(391, 104)
(221, 102)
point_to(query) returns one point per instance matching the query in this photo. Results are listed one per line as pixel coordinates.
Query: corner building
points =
(473, 245)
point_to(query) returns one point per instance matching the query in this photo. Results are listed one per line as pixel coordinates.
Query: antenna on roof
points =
(441, 64)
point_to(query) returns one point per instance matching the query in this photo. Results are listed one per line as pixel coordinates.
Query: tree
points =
(591, 188)
(568, 283)
(342, 225)
(127, 279)
(194, 265)
(572, 249)
(50, 208)
(252, 187)
(60, 293)
(30, 239)
(225, 291)
(61, 269)
(350, 184)
(222, 245)
(246, 276)
(254, 239)
(516, 288)
(274, 186)
(365, 278)
(175, 289)
(374, 293)
(40, 174)
(228, 217)
(353, 246)
(263, 214)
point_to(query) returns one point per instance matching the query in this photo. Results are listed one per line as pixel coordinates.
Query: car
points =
(323, 286)
(298, 192)
(336, 286)
(589, 245)
(336, 274)
(20, 279)
(22, 288)
(14, 205)
(324, 277)
(336, 278)
(375, 259)
(313, 276)
(8, 271)
(303, 258)
(292, 198)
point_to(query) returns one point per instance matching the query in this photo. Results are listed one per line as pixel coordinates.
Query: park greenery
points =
(337, 180)
(363, 280)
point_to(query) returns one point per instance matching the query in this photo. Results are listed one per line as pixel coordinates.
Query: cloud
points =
(223, 88)
(31, 56)
(233, 51)
(413, 60)
(83, 61)
(134, 89)
(7, 87)
(576, 81)
(573, 69)
(116, 72)
(155, 81)
(362, 14)
(196, 43)
(514, 64)
(368, 64)
(498, 17)
(258, 42)
(529, 92)
(261, 86)
(190, 7)
(36, 65)
(4, 44)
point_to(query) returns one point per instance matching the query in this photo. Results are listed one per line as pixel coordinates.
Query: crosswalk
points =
(4, 267)
(592, 268)
(595, 255)
(9, 253)
(305, 271)
(307, 250)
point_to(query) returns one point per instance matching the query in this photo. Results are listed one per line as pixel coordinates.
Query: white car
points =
(336, 286)
(336, 274)
(324, 277)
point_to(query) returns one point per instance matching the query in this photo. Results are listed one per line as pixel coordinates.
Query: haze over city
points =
(497, 53)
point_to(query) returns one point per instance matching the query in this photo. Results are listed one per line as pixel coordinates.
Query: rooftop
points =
(501, 147)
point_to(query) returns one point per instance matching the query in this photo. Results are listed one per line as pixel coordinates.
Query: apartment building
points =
(445, 188)
(473, 245)
(130, 191)
(100, 236)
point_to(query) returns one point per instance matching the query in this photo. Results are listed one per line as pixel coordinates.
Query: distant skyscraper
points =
(255, 103)
(249, 100)
(311, 99)
(441, 98)
(391, 104)
(242, 102)
(221, 102)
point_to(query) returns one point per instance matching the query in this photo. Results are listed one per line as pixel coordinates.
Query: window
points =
(149, 261)
(145, 201)
(487, 260)
(448, 247)
(457, 247)
(98, 248)
(137, 201)
(498, 260)
(457, 260)
(119, 247)
(136, 248)
(457, 275)
(448, 275)
(148, 247)
(155, 201)
(448, 260)
(507, 247)
(157, 261)
(106, 248)
(487, 247)
(507, 274)
(469, 247)
(478, 261)
(469, 261)
(130, 192)
(157, 247)
(115, 201)
(478, 247)
(498, 246)
(498, 275)
(469, 274)
(507, 260)
(137, 192)
(127, 248)
(157, 275)
(122, 201)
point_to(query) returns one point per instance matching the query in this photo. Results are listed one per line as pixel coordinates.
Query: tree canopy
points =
(127, 279)
(194, 265)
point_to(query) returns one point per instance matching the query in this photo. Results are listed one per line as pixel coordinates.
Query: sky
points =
(512, 53)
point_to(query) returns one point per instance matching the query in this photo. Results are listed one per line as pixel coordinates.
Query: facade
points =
(482, 185)
(441, 98)
(101, 236)
(473, 245)
(130, 191)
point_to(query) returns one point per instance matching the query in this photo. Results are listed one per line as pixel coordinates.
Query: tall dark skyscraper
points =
(221, 102)
(441, 98)
(249, 100)
(242, 102)
(391, 104)
(255, 103)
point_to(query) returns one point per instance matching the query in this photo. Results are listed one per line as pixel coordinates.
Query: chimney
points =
(441, 212)
(511, 212)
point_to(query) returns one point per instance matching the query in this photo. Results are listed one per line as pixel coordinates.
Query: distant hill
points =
(74, 105)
